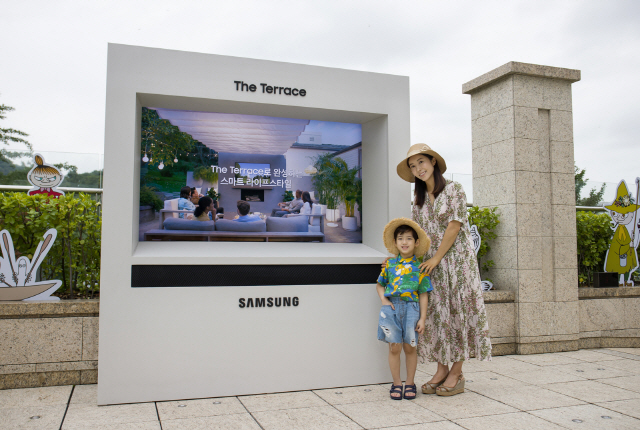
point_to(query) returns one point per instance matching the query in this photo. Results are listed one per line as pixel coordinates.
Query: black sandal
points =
(395, 389)
(411, 389)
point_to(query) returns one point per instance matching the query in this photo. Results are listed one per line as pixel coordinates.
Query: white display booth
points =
(180, 342)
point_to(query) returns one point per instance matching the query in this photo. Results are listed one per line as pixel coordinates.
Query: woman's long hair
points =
(306, 198)
(420, 191)
(203, 204)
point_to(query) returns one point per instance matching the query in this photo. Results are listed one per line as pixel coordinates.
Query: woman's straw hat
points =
(419, 148)
(390, 243)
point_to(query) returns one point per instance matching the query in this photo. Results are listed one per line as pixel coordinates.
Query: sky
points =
(53, 60)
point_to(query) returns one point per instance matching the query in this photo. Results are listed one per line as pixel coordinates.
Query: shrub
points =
(287, 196)
(149, 198)
(486, 220)
(75, 256)
(594, 233)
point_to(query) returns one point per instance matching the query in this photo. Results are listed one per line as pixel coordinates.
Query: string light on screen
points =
(161, 165)
(145, 159)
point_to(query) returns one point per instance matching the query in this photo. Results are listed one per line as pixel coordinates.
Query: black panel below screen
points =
(248, 275)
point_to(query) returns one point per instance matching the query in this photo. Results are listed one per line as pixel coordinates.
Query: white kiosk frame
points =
(195, 342)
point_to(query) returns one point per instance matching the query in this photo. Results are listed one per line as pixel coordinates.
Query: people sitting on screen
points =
(285, 208)
(243, 212)
(195, 196)
(184, 203)
(205, 210)
(307, 204)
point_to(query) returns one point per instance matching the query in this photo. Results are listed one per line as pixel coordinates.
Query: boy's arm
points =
(385, 301)
(424, 303)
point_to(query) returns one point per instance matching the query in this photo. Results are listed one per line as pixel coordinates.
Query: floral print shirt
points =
(401, 277)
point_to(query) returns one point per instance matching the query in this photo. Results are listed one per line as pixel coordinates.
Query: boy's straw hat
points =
(419, 148)
(390, 243)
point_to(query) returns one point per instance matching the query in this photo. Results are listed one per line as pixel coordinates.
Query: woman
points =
(205, 205)
(307, 204)
(456, 325)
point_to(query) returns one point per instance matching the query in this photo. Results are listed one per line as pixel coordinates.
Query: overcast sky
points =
(53, 60)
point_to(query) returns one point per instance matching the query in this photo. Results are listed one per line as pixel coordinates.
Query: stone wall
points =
(43, 344)
(522, 147)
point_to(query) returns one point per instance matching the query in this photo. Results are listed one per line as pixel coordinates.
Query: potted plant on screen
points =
(348, 189)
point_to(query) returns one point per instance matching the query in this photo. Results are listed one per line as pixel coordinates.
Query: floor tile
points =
(485, 380)
(84, 414)
(438, 425)
(626, 365)
(591, 417)
(367, 393)
(316, 418)
(547, 359)
(588, 355)
(387, 413)
(546, 375)
(496, 365)
(199, 408)
(465, 405)
(220, 422)
(635, 351)
(271, 402)
(592, 391)
(628, 407)
(631, 383)
(85, 394)
(518, 420)
(596, 370)
(50, 417)
(530, 398)
(147, 425)
(23, 397)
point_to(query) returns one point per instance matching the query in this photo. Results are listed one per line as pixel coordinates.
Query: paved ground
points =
(586, 389)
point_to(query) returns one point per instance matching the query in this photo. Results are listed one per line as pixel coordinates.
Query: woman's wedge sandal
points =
(446, 391)
(412, 390)
(397, 389)
(430, 388)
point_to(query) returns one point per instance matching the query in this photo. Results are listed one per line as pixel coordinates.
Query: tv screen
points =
(266, 178)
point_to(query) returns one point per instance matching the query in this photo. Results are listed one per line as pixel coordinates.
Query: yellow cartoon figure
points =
(44, 178)
(622, 257)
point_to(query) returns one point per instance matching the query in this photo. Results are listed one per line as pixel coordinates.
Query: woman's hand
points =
(384, 263)
(429, 265)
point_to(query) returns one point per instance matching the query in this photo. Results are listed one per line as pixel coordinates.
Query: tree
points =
(9, 134)
(595, 196)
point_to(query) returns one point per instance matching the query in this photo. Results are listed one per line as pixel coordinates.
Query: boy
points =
(403, 293)
(243, 211)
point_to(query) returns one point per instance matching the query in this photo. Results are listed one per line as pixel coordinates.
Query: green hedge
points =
(594, 233)
(77, 218)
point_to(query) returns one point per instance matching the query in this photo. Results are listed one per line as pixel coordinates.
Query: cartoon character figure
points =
(17, 276)
(44, 178)
(477, 241)
(622, 257)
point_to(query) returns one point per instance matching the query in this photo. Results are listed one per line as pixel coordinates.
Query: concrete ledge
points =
(603, 293)
(60, 309)
(499, 296)
(543, 347)
(515, 68)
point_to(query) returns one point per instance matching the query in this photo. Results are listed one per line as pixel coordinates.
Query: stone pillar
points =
(523, 163)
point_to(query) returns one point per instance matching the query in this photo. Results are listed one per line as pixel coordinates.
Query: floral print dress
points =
(456, 326)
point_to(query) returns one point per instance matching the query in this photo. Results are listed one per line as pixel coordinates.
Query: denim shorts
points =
(399, 325)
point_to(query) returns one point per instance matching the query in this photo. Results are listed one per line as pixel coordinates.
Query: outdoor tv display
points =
(260, 161)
